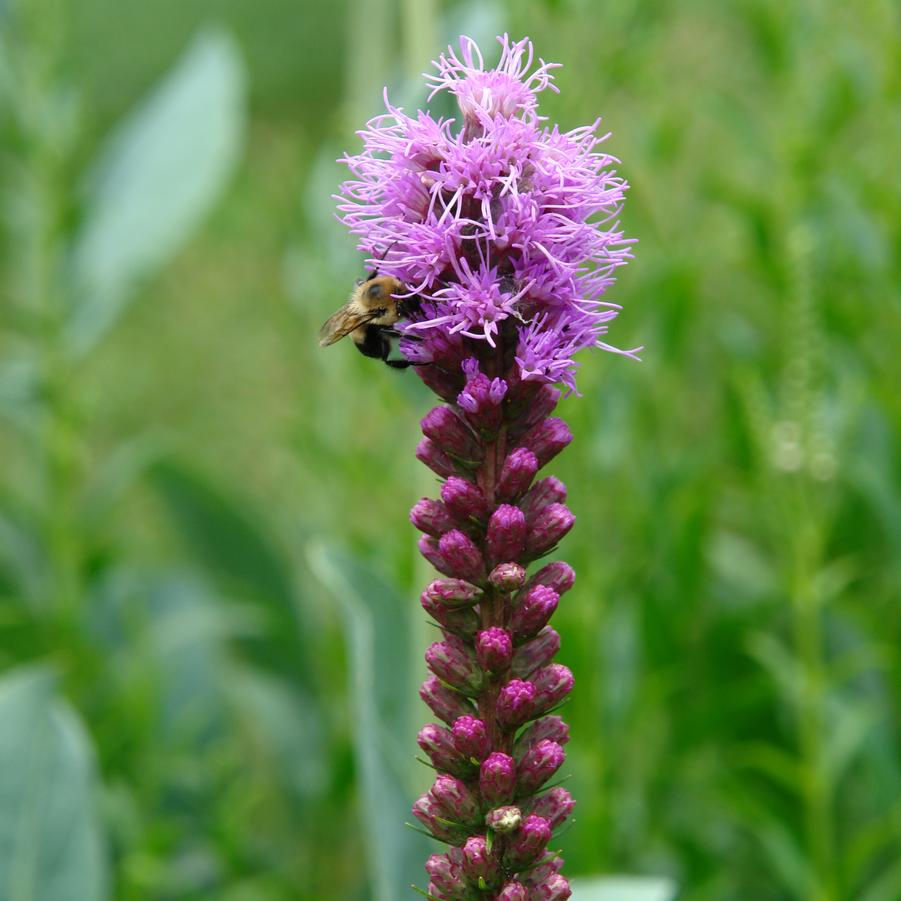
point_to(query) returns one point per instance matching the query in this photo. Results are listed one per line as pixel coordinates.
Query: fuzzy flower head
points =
(503, 227)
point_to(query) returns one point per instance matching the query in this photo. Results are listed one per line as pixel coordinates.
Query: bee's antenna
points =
(375, 271)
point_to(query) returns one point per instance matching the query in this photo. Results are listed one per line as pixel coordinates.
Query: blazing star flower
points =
(499, 223)
(504, 230)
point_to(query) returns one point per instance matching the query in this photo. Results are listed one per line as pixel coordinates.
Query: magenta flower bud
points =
(455, 555)
(538, 764)
(455, 800)
(479, 863)
(507, 577)
(481, 400)
(438, 743)
(497, 779)
(444, 702)
(535, 407)
(553, 888)
(494, 649)
(545, 440)
(454, 592)
(445, 384)
(453, 663)
(552, 684)
(516, 474)
(516, 703)
(471, 738)
(429, 453)
(530, 616)
(513, 891)
(431, 517)
(464, 500)
(461, 621)
(542, 871)
(536, 653)
(557, 575)
(551, 727)
(506, 533)
(504, 820)
(555, 806)
(452, 435)
(542, 494)
(448, 880)
(433, 817)
(528, 844)
(553, 523)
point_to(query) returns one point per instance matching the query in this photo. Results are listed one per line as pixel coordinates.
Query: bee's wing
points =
(342, 323)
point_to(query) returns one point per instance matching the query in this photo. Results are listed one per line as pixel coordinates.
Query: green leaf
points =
(624, 888)
(155, 179)
(383, 689)
(51, 847)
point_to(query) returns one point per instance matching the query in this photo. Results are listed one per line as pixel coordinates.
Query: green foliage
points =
(171, 497)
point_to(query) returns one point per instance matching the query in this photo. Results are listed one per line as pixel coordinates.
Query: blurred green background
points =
(209, 636)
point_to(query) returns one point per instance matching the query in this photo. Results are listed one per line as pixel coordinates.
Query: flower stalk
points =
(503, 231)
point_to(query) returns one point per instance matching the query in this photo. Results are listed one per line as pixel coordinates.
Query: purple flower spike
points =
(455, 800)
(464, 500)
(547, 439)
(455, 664)
(454, 592)
(552, 524)
(516, 703)
(548, 727)
(431, 517)
(451, 434)
(535, 654)
(528, 843)
(513, 891)
(537, 766)
(445, 703)
(506, 533)
(541, 495)
(507, 577)
(552, 684)
(557, 575)
(555, 806)
(504, 820)
(533, 612)
(471, 738)
(479, 863)
(497, 779)
(494, 649)
(438, 743)
(516, 474)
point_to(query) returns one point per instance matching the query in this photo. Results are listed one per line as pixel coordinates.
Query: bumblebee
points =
(369, 316)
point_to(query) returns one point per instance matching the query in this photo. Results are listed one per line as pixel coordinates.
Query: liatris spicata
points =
(504, 229)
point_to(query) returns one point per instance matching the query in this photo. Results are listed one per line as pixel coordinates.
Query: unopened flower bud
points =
(513, 891)
(516, 474)
(464, 500)
(497, 778)
(506, 534)
(542, 494)
(546, 439)
(504, 820)
(438, 743)
(445, 703)
(429, 453)
(445, 384)
(454, 592)
(471, 738)
(480, 399)
(555, 806)
(494, 649)
(552, 684)
(538, 764)
(536, 653)
(455, 800)
(553, 888)
(534, 406)
(455, 555)
(551, 727)
(452, 435)
(548, 528)
(431, 517)
(479, 863)
(507, 577)
(447, 878)
(528, 843)
(557, 575)
(531, 614)
(461, 621)
(431, 814)
(516, 703)
(453, 662)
